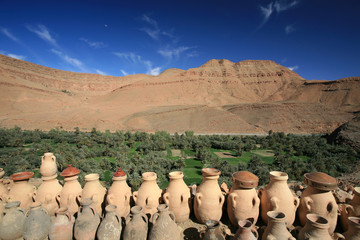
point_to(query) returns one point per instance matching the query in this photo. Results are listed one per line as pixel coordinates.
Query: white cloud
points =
(283, 5)
(289, 29)
(172, 52)
(72, 61)
(192, 54)
(21, 57)
(152, 70)
(293, 68)
(93, 44)
(42, 32)
(136, 59)
(123, 72)
(266, 12)
(101, 72)
(149, 20)
(7, 33)
(129, 56)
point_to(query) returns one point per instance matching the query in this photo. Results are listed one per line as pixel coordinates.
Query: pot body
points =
(245, 231)
(12, 222)
(164, 226)
(177, 197)
(48, 166)
(119, 194)
(149, 194)
(69, 194)
(316, 227)
(110, 226)
(22, 191)
(209, 199)
(136, 225)
(353, 232)
(276, 228)
(87, 221)
(352, 209)
(277, 196)
(37, 223)
(47, 193)
(62, 226)
(94, 190)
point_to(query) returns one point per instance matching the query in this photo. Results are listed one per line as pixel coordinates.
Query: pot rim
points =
(355, 221)
(61, 210)
(12, 204)
(276, 216)
(176, 175)
(210, 172)
(146, 176)
(136, 209)
(86, 202)
(48, 154)
(245, 179)
(21, 176)
(320, 181)
(211, 224)
(163, 207)
(357, 191)
(91, 177)
(247, 224)
(110, 208)
(49, 178)
(278, 175)
(317, 221)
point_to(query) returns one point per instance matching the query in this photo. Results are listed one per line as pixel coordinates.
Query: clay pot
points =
(62, 226)
(316, 227)
(318, 198)
(177, 196)
(48, 166)
(12, 222)
(71, 191)
(164, 226)
(119, 194)
(277, 196)
(149, 194)
(3, 188)
(243, 201)
(94, 190)
(47, 192)
(352, 209)
(245, 231)
(87, 221)
(22, 190)
(213, 231)
(110, 227)
(276, 228)
(37, 223)
(136, 225)
(209, 198)
(353, 232)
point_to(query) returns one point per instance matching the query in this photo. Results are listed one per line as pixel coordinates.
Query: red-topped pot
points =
(22, 190)
(70, 171)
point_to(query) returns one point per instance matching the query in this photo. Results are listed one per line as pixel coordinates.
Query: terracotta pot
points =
(136, 225)
(277, 196)
(353, 232)
(149, 194)
(245, 231)
(209, 198)
(37, 223)
(164, 226)
(119, 194)
(62, 226)
(94, 190)
(276, 228)
(177, 196)
(318, 198)
(3, 189)
(110, 227)
(48, 166)
(243, 201)
(352, 209)
(213, 231)
(47, 192)
(12, 222)
(22, 190)
(87, 221)
(71, 191)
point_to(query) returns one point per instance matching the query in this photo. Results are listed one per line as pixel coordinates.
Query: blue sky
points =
(319, 39)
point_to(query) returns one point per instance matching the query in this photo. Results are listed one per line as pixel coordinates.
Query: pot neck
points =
(210, 178)
(71, 179)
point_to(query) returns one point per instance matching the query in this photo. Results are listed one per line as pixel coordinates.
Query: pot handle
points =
(117, 218)
(135, 194)
(68, 215)
(198, 197)
(42, 159)
(58, 198)
(172, 215)
(221, 199)
(144, 217)
(253, 230)
(338, 236)
(256, 202)
(127, 196)
(110, 198)
(128, 219)
(53, 158)
(296, 202)
(274, 204)
(232, 198)
(45, 210)
(349, 210)
(308, 201)
(166, 198)
(155, 218)
(22, 210)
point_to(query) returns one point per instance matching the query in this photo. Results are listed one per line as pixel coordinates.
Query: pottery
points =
(62, 226)
(71, 190)
(3, 189)
(318, 198)
(353, 232)
(177, 196)
(87, 221)
(149, 194)
(94, 190)
(110, 227)
(37, 223)
(352, 209)
(243, 201)
(12, 222)
(277, 196)
(209, 199)
(276, 228)
(22, 190)
(164, 226)
(47, 192)
(119, 194)
(213, 231)
(245, 231)
(48, 166)
(136, 225)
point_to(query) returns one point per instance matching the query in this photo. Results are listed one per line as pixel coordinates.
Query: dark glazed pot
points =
(136, 225)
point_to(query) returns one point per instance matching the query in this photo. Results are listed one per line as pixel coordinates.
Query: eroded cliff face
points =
(251, 96)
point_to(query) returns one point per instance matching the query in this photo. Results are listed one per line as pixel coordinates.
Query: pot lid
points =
(70, 171)
(320, 180)
(245, 179)
(119, 173)
(21, 176)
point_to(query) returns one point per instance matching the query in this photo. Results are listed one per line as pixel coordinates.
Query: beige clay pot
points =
(94, 190)
(119, 194)
(22, 190)
(48, 166)
(352, 209)
(318, 198)
(177, 196)
(209, 199)
(3, 189)
(277, 196)
(69, 194)
(47, 193)
(149, 194)
(243, 201)
(276, 227)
